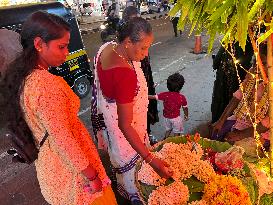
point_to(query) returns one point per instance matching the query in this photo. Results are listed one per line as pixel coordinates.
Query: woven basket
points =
(144, 190)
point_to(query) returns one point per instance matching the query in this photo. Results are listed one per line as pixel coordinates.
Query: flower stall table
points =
(208, 172)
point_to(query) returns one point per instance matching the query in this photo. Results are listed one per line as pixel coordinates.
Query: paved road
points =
(18, 183)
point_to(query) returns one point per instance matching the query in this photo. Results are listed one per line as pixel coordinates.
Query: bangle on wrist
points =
(93, 178)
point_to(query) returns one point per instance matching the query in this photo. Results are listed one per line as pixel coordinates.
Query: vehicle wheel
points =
(82, 87)
(104, 36)
(150, 12)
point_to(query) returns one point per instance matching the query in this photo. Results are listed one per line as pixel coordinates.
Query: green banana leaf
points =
(266, 199)
(205, 143)
(251, 187)
(242, 23)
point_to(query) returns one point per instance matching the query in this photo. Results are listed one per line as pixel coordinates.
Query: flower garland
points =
(184, 161)
(201, 202)
(225, 190)
(174, 194)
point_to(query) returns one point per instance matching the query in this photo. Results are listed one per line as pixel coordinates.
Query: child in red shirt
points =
(172, 102)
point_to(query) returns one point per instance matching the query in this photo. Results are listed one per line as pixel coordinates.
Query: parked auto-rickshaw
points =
(76, 69)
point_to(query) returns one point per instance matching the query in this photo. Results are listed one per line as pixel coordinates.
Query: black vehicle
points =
(76, 69)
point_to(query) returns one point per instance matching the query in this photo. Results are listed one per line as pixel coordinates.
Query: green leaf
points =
(217, 14)
(265, 35)
(195, 196)
(212, 33)
(230, 27)
(266, 199)
(225, 15)
(185, 9)
(190, 14)
(175, 9)
(194, 184)
(212, 5)
(181, 23)
(255, 8)
(242, 22)
(194, 13)
(269, 5)
(251, 187)
(196, 19)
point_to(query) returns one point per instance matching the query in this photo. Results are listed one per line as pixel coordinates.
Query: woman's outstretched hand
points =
(161, 168)
(217, 126)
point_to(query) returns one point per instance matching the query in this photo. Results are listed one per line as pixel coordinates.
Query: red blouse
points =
(118, 83)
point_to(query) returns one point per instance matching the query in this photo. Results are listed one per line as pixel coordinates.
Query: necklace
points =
(41, 67)
(121, 56)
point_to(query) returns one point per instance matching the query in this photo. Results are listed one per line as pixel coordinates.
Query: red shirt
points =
(172, 102)
(118, 83)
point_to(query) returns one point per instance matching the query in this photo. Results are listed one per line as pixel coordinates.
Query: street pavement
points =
(18, 183)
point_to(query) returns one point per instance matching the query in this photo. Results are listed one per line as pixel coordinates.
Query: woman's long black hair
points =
(39, 24)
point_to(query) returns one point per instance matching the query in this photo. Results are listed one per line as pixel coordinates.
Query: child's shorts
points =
(174, 124)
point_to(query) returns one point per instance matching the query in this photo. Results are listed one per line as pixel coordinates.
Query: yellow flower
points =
(225, 190)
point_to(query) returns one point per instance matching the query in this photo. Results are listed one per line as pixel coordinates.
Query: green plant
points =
(230, 18)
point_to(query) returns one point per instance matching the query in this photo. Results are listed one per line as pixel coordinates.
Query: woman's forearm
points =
(125, 118)
(233, 103)
(134, 140)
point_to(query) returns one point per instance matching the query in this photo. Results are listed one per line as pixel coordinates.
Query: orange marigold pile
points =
(225, 190)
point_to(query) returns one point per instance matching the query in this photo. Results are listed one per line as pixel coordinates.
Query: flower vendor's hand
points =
(161, 168)
(217, 126)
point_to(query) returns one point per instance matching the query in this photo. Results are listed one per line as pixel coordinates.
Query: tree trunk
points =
(270, 96)
(258, 57)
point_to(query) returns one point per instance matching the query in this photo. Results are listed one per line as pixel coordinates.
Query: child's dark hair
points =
(175, 82)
